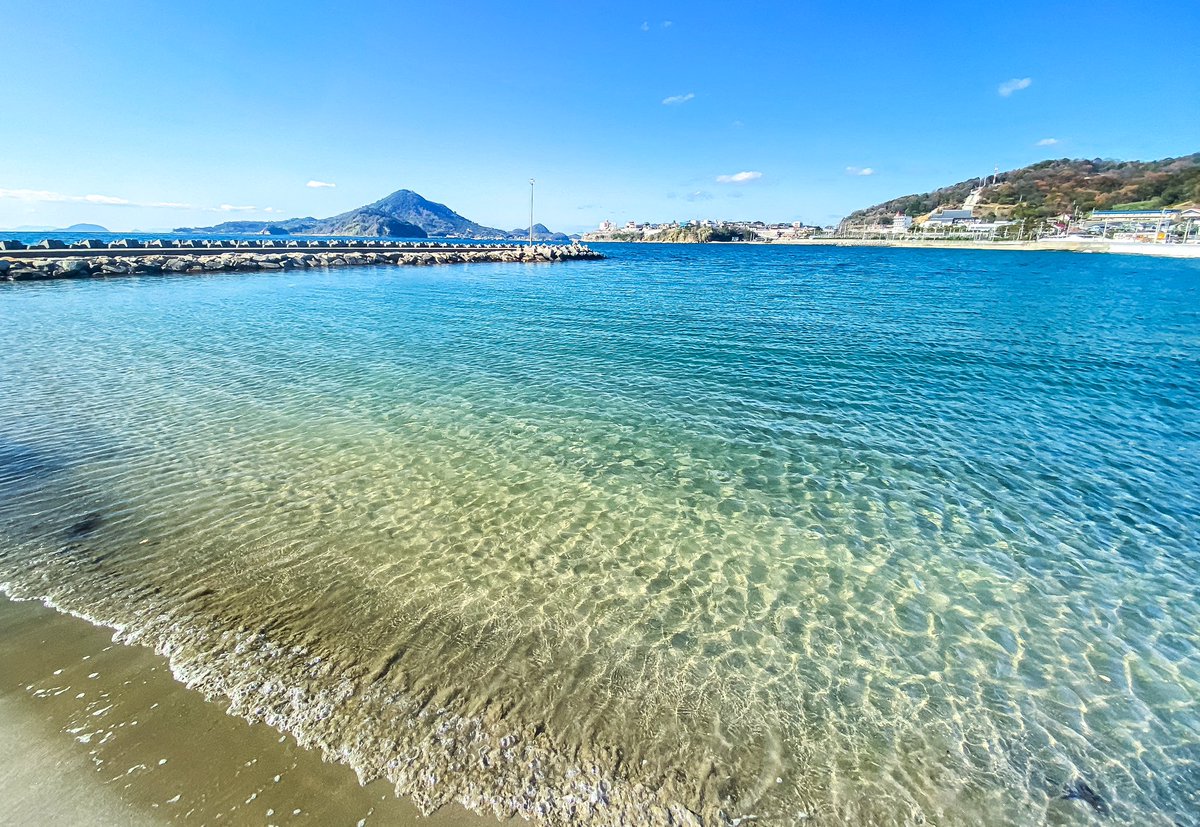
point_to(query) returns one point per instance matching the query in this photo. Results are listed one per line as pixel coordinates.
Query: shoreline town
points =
(1173, 233)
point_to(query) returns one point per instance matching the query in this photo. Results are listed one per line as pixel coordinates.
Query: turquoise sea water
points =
(834, 536)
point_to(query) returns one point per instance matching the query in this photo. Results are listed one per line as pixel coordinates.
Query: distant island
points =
(82, 228)
(403, 214)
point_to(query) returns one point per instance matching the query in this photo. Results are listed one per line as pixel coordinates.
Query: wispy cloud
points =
(1047, 142)
(699, 195)
(666, 24)
(739, 177)
(49, 197)
(316, 185)
(675, 100)
(645, 25)
(859, 171)
(1014, 85)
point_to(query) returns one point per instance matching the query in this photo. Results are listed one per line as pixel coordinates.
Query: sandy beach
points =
(100, 733)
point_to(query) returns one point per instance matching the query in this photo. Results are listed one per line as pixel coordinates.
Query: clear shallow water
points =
(814, 535)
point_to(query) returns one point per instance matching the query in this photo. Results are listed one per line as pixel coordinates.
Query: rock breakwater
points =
(33, 264)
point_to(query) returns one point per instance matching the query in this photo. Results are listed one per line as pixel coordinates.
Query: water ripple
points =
(687, 535)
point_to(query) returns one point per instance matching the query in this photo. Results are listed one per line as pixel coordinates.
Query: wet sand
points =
(93, 732)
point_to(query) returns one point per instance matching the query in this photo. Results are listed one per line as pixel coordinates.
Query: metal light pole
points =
(531, 181)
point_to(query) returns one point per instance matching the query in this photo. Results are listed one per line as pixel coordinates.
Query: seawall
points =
(49, 261)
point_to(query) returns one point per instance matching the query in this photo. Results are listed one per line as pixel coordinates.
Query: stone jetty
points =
(96, 259)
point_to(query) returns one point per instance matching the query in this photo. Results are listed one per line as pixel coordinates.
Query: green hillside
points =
(1055, 187)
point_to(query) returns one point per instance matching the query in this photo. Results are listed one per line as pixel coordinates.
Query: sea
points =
(696, 534)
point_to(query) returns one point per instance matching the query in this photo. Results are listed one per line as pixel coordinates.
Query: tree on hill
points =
(1055, 187)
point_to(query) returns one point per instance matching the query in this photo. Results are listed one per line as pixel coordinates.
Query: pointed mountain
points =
(435, 219)
(403, 214)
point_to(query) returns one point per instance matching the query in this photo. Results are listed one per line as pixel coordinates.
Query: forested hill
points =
(1055, 187)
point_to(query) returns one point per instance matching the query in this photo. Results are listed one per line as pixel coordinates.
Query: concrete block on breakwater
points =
(150, 259)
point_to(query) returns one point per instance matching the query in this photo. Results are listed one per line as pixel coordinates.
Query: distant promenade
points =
(1058, 243)
(1067, 244)
(95, 259)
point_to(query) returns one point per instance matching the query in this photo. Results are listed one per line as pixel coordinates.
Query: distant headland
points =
(1096, 205)
(403, 214)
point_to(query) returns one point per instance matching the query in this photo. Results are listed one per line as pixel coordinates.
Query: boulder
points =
(12, 245)
(73, 267)
(49, 244)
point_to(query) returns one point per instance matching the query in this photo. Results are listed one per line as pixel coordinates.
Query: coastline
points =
(353, 501)
(1189, 250)
(100, 732)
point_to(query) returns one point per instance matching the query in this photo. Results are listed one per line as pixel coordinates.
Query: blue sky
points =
(155, 115)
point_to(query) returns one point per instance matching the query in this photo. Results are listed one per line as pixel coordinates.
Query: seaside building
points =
(950, 217)
(1143, 225)
(1143, 218)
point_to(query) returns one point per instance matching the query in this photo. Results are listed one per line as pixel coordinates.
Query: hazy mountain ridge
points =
(540, 233)
(1060, 186)
(403, 214)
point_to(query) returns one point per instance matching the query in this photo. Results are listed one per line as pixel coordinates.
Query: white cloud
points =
(106, 199)
(48, 197)
(699, 195)
(316, 185)
(666, 24)
(674, 100)
(739, 177)
(645, 25)
(859, 171)
(1014, 85)
(1047, 142)
(45, 196)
